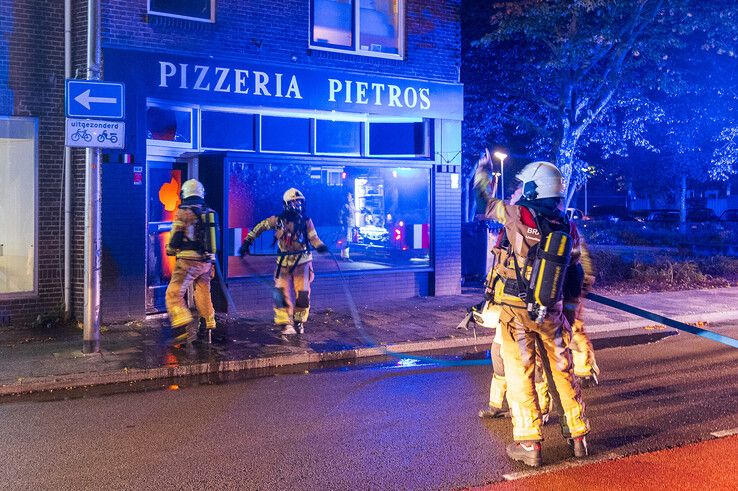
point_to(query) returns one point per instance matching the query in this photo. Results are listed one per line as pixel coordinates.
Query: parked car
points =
(610, 212)
(663, 216)
(730, 215)
(701, 215)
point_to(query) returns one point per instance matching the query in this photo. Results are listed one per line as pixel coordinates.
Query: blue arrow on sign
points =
(94, 99)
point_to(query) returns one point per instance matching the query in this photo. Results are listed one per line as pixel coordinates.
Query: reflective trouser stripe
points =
(526, 423)
(179, 316)
(497, 390)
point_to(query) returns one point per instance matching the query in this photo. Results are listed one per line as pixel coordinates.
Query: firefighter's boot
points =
(528, 453)
(579, 446)
(180, 336)
(493, 412)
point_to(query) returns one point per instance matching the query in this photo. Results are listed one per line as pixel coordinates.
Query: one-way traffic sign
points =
(94, 99)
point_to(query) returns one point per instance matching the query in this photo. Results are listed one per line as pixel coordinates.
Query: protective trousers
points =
(291, 281)
(521, 338)
(498, 386)
(585, 363)
(187, 272)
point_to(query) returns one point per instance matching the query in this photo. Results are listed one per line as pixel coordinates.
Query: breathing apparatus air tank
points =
(547, 275)
(210, 224)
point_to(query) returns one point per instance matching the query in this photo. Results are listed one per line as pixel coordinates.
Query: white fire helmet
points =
(489, 316)
(541, 180)
(293, 198)
(192, 187)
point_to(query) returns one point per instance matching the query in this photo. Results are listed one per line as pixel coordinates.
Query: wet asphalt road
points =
(373, 427)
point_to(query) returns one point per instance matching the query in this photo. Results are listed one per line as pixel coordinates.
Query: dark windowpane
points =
(377, 217)
(337, 137)
(169, 124)
(200, 9)
(379, 21)
(285, 134)
(332, 22)
(397, 139)
(224, 130)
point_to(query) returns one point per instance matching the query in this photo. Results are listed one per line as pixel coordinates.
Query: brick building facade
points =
(395, 148)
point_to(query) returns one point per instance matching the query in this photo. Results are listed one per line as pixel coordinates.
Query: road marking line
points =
(720, 434)
(569, 464)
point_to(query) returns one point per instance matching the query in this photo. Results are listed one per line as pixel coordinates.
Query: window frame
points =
(356, 35)
(186, 17)
(428, 140)
(345, 163)
(35, 292)
(362, 136)
(194, 111)
(256, 129)
(311, 138)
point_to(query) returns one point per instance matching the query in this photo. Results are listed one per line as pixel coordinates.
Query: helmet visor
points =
(296, 205)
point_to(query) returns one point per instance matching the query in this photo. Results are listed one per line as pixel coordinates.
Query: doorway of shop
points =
(164, 181)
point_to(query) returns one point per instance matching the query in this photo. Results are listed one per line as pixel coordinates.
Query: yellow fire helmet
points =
(192, 187)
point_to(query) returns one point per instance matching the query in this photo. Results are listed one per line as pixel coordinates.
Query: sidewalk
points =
(45, 359)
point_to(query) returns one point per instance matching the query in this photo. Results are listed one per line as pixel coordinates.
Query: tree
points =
(559, 70)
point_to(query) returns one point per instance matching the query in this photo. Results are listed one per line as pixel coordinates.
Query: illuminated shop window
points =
(201, 10)
(368, 27)
(400, 139)
(286, 135)
(378, 217)
(337, 137)
(169, 125)
(18, 192)
(227, 131)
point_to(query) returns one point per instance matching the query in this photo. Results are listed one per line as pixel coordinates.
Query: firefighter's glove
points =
(245, 249)
(485, 161)
(489, 294)
(322, 248)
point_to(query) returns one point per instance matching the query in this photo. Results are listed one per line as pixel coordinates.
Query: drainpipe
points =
(91, 327)
(67, 172)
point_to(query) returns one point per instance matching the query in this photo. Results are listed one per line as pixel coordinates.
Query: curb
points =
(127, 375)
(639, 323)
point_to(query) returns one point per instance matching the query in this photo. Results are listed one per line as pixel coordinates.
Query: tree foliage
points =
(566, 80)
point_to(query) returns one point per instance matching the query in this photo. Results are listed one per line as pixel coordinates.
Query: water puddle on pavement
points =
(455, 358)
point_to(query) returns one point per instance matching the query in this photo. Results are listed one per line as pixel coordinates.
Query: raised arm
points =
(485, 188)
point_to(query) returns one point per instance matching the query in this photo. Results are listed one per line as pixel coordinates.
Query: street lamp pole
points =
(502, 156)
(586, 179)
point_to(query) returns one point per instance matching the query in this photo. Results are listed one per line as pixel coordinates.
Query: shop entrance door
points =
(164, 182)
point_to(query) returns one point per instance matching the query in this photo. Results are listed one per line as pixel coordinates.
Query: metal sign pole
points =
(91, 335)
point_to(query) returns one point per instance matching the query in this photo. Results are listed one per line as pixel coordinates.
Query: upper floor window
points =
(202, 10)
(368, 27)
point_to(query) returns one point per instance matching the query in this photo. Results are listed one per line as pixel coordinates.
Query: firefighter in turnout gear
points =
(295, 235)
(193, 246)
(528, 289)
(490, 318)
(579, 280)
